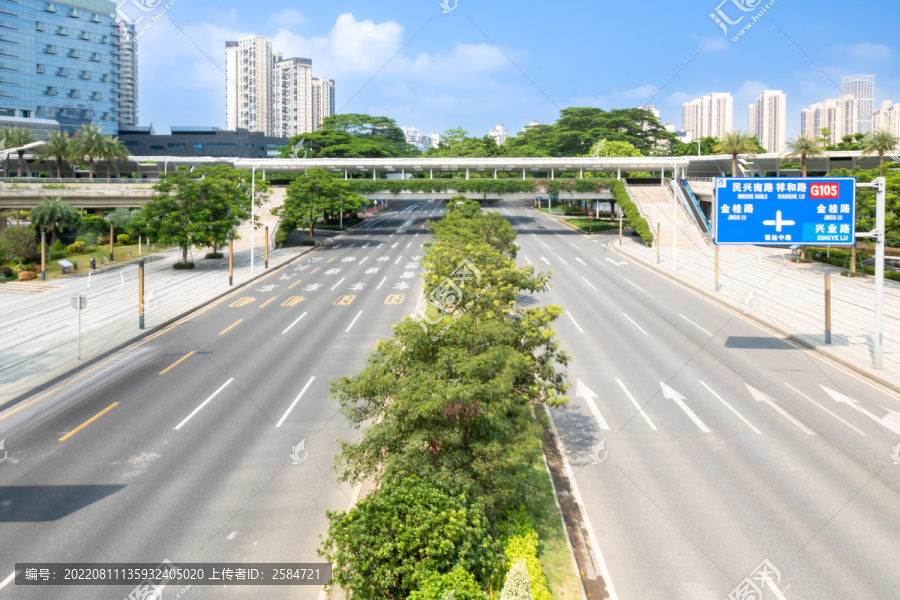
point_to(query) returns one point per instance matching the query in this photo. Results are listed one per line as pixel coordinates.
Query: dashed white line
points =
(292, 324)
(636, 405)
(527, 260)
(633, 283)
(825, 409)
(731, 408)
(204, 403)
(597, 259)
(379, 285)
(695, 325)
(545, 244)
(589, 283)
(7, 581)
(363, 260)
(573, 321)
(294, 403)
(352, 322)
(409, 244)
(398, 259)
(338, 283)
(635, 324)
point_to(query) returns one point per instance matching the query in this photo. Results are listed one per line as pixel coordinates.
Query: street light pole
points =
(252, 214)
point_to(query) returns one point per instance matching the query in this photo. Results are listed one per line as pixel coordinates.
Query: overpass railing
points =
(693, 205)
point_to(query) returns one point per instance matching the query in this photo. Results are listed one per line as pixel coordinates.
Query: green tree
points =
(17, 137)
(351, 135)
(458, 143)
(111, 150)
(59, 147)
(202, 207)
(18, 241)
(438, 586)
(803, 147)
(734, 143)
(53, 215)
(396, 537)
(707, 147)
(89, 144)
(309, 197)
(880, 142)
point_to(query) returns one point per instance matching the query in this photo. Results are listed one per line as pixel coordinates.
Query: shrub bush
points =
(80, 240)
(32, 257)
(56, 255)
(214, 255)
(92, 224)
(522, 546)
(58, 246)
(75, 248)
(516, 586)
(123, 238)
(307, 243)
(103, 240)
(26, 275)
(181, 265)
(438, 586)
(90, 239)
(7, 271)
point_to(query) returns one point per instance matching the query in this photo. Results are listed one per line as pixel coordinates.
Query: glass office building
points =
(59, 60)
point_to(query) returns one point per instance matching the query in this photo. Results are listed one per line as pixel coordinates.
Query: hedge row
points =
(632, 215)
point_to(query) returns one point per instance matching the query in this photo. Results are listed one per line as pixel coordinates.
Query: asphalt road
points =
(722, 446)
(213, 440)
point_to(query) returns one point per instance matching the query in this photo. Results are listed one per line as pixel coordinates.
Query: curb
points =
(763, 324)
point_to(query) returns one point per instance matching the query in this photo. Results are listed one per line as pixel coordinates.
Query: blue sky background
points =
(409, 61)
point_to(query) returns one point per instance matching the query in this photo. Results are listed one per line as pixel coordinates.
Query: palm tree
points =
(52, 214)
(3, 133)
(89, 142)
(16, 138)
(881, 141)
(734, 143)
(59, 147)
(803, 147)
(111, 150)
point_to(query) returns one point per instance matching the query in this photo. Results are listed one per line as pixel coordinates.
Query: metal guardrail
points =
(694, 205)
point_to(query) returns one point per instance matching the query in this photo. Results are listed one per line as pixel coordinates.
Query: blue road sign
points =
(785, 211)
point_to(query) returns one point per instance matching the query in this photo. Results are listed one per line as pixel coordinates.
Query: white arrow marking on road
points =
(731, 408)
(763, 397)
(545, 260)
(581, 261)
(679, 400)
(636, 405)
(589, 283)
(615, 262)
(891, 420)
(583, 391)
(802, 395)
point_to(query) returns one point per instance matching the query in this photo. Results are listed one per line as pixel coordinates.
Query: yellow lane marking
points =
(314, 270)
(267, 301)
(88, 422)
(395, 299)
(293, 301)
(230, 326)
(175, 364)
(331, 259)
(344, 300)
(295, 283)
(244, 301)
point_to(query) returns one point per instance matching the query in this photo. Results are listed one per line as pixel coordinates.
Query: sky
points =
(476, 64)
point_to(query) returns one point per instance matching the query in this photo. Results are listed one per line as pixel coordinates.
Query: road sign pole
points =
(717, 267)
(141, 293)
(267, 247)
(881, 185)
(658, 242)
(230, 260)
(43, 256)
(111, 240)
(79, 327)
(827, 305)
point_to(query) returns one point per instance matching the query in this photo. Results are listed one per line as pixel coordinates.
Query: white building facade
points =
(767, 120)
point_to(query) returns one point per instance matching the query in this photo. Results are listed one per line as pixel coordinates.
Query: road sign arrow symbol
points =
(583, 391)
(616, 262)
(545, 260)
(767, 399)
(891, 420)
(679, 399)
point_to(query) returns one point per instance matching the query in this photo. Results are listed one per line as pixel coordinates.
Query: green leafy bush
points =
(439, 586)
(58, 246)
(632, 215)
(75, 248)
(123, 238)
(80, 239)
(521, 547)
(6, 271)
(214, 255)
(56, 255)
(92, 224)
(516, 586)
(183, 265)
(90, 239)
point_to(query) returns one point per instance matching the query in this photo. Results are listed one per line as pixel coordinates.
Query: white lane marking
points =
(679, 399)
(545, 244)
(891, 420)
(545, 260)
(635, 324)
(574, 244)
(379, 285)
(363, 260)
(204, 403)
(526, 259)
(731, 408)
(595, 546)
(634, 284)
(578, 259)
(409, 244)
(589, 283)
(589, 395)
(338, 283)
(825, 409)
(398, 259)
(695, 325)
(573, 321)
(352, 322)
(7, 581)
(763, 397)
(292, 324)
(636, 405)
(367, 235)
(294, 403)
(560, 258)
(616, 262)
(598, 260)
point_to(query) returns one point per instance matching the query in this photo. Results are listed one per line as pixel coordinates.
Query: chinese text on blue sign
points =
(785, 211)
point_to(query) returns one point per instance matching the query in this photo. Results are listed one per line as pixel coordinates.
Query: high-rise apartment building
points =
(862, 88)
(499, 134)
(292, 96)
(710, 115)
(322, 100)
(249, 85)
(59, 61)
(839, 116)
(126, 69)
(887, 118)
(767, 119)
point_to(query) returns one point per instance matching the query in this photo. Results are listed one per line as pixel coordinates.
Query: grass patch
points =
(585, 225)
(560, 209)
(83, 260)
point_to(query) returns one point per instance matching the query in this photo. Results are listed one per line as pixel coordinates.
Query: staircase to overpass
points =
(656, 203)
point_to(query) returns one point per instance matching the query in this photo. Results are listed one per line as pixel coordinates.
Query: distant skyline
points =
(435, 71)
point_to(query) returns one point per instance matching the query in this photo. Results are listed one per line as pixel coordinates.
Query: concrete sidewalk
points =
(38, 333)
(762, 284)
